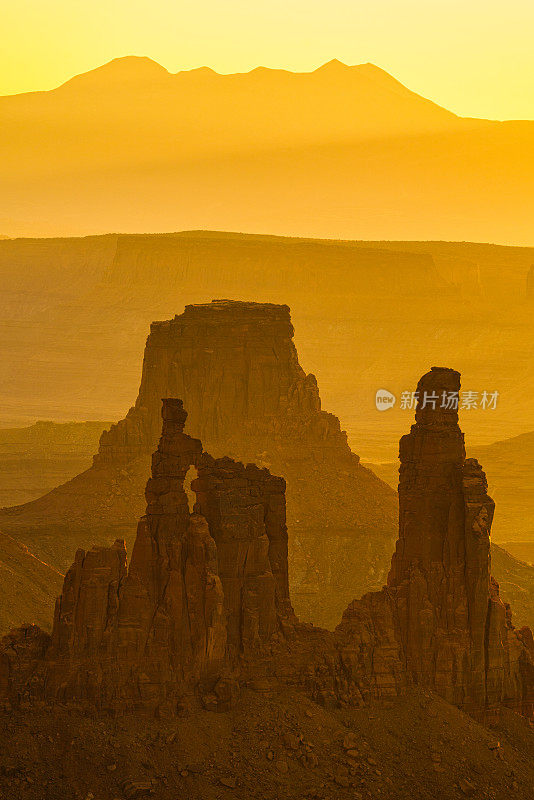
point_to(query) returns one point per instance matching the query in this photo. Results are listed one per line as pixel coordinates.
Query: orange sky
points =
(475, 57)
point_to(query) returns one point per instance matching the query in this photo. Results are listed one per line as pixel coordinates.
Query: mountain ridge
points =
(344, 152)
(144, 66)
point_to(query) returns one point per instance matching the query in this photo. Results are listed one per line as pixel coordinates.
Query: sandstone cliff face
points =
(238, 362)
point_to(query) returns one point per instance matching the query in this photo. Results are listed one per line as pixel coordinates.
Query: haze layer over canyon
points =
(75, 313)
(344, 151)
(236, 366)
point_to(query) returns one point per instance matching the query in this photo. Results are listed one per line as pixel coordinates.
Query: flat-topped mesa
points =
(204, 590)
(236, 368)
(235, 365)
(440, 622)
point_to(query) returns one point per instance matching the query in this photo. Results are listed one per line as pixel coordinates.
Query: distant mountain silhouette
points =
(344, 151)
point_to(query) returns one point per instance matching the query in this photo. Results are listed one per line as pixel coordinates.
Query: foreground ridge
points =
(204, 608)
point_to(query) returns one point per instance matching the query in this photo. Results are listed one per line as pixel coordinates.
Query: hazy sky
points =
(476, 57)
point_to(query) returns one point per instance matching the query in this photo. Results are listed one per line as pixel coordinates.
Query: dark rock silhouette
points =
(236, 367)
(204, 607)
(441, 613)
(203, 589)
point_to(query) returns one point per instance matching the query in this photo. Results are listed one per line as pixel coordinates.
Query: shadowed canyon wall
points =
(201, 589)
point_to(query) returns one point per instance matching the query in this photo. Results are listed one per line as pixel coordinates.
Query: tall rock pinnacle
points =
(449, 628)
(204, 588)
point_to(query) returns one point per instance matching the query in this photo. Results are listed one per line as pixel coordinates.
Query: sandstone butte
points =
(204, 606)
(235, 366)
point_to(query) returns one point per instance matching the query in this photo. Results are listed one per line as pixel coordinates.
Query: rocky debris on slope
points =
(236, 368)
(204, 608)
(277, 747)
(530, 284)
